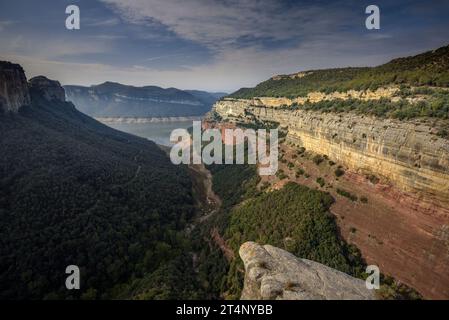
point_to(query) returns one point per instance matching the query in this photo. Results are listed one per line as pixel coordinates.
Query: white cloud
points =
(219, 24)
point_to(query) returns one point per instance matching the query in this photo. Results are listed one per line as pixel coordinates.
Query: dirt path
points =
(206, 201)
(218, 239)
(204, 178)
(208, 204)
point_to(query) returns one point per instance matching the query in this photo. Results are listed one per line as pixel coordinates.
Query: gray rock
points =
(272, 273)
(50, 89)
(13, 87)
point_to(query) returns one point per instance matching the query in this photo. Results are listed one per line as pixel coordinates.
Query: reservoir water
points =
(158, 132)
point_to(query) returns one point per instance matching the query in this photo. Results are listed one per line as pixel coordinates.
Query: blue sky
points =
(210, 45)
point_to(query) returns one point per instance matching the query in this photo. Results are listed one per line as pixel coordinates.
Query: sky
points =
(214, 45)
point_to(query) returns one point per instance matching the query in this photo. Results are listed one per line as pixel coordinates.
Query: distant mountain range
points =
(112, 99)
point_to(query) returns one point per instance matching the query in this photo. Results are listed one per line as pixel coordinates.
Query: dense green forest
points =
(73, 191)
(428, 69)
(296, 219)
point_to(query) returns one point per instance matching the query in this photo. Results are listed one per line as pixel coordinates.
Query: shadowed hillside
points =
(73, 191)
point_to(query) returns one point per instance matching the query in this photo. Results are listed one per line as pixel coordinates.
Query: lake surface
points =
(158, 132)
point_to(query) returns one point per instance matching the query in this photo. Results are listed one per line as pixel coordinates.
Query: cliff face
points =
(13, 87)
(15, 90)
(408, 154)
(49, 89)
(272, 273)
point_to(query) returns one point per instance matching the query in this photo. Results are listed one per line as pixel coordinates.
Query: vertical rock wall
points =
(13, 87)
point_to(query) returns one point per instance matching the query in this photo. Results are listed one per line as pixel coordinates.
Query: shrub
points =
(281, 174)
(318, 159)
(321, 182)
(347, 194)
(443, 133)
(264, 185)
(339, 172)
(372, 178)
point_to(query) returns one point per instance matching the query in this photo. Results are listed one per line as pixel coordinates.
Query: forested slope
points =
(427, 69)
(73, 191)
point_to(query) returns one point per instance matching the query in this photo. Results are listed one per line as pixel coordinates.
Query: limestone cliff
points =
(272, 273)
(13, 87)
(408, 154)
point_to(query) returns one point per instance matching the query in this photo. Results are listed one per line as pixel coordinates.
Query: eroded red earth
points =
(405, 236)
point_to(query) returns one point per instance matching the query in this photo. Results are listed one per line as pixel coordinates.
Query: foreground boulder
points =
(273, 273)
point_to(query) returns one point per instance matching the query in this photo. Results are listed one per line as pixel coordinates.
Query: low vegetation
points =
(320, 181)
(339, 172)
(435, 107)
(317, 159)
(347, 194)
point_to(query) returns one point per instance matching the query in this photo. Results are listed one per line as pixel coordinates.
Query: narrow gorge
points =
(402, 167)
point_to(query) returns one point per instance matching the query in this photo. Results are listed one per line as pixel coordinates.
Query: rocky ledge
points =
(13, 87)
(50, 89)
(273, 273)
(16, 92)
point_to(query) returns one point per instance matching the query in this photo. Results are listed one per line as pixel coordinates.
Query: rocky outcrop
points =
(49, 89)
(408, 154)
(316, 96)
(13, 87)
(272, 273)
